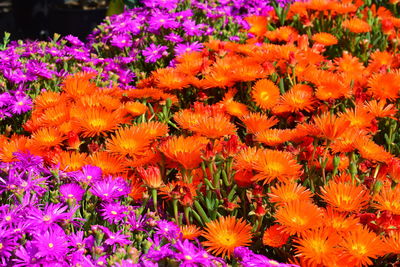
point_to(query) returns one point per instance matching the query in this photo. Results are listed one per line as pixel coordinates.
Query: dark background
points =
(40, 19)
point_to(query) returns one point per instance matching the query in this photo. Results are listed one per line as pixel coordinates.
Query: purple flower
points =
(74, 40)
(51, 245)
(189, 255)
(109, 189)
(26, 256)
(78, 241)
(168, 229)
(159, 20)
(21, 104)
(137, 223)
(48, 218)
(188, 47)
(173, 37)
(113, 212)
(71, 192)
(121, 40)
(88, 174)
(5, 99)
(115, 238)
(154, 52)
(8, 242)
(158, 251)
(167, 4)
(247, 258)
(191, 28)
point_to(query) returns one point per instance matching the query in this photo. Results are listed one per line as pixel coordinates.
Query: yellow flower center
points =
(51, 245)
(8, 218)
(188, 257)
(114, 212)
(46, 218)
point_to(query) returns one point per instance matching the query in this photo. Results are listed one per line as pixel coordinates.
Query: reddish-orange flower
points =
(356, 25)
(318, 246)
(275, 237)
(185, 150)
(385, 85)
(345, 197)
(359, 246)
(225, 234)
(298, 216)
(265, 93)
(257, 122)
(190, 231)
(388, 199)
(129, 141)
(324, 38)
(151, 176)
(287, 192)
(98, 121)
(274, 164)
(79, 84)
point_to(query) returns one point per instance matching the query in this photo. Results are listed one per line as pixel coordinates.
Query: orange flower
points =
(332, 87)
(137, 189)
(356, 25)
(265, 93)
(339, 221)
(190, 231)
(46, 138)
(185, 150)
(324, 38)
(244, 159)
(109, 164)
(79, 84)
(318, 246)
(385, 85)
(298, 216)
(285, 33)
(151, 176)
(345, 197)
(380, 109)
(273, 137)
(70, 161)
(170, 79)
(135, 108)
(48, 99)
(243, 178)
(299, 97)
(274, 164)
(359, 246)
(287, 192)
(370, 150)
(388, 199)
(10, 145)
(55, 116)
(98, 121)
(99, 99)
(232, 107)
(328, 126)
(213, 127)
(129, 141)
(357, 117)
(225, 234)
(258, 25)
(274, 237)
(392, 243)
(257, 122)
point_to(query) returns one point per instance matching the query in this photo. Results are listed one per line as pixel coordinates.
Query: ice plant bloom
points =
(225, 234)
(71, 192)
(275, 237)
(151, 176)
(345, 197)
(324, 38)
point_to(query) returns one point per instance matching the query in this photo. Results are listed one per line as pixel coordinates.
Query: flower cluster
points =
(282, 147)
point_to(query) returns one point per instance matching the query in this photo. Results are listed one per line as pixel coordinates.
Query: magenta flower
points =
(71, 192)
(51, 245)
(121, 40)
(113, 212)
(154, 52)
(115, 238)
(49, 217)
(87, 175)
(21, 104)
(188, 47)
(110, 188)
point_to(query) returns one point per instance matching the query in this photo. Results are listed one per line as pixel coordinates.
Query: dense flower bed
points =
(273, 138)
